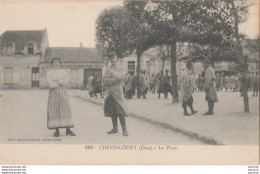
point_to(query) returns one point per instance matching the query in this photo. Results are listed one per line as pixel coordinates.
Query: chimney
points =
(81, 45)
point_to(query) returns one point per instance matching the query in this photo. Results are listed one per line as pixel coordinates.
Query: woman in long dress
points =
(58, 111)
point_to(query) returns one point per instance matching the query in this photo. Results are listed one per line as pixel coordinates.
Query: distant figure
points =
(58, 112)
(157, 82)
(143, 84)
(187, 90)
(217, 82)
(194, 83)
(226, 82)
(114, 105)
(200, 83)
(90, 85)
(147, 79)
(152, 84)
(256, 85)
(236, 82)
(220, 82)
(97, 85)
(232, 83)
(166, 84)
(129, 85)
(210, 88)
(160, 87)
(240, 84)
(251, 79)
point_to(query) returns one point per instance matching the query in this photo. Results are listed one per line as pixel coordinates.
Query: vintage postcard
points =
(129, 82)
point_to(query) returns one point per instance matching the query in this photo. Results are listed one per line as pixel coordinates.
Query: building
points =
(79, 63)
(21, 52)
(154, 65)
(26, 55)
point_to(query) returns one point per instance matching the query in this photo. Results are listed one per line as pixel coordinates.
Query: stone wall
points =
(22, 70)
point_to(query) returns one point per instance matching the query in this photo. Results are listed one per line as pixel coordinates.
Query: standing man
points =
(151, 84)
(210, 87)
(129, 86)
(90, 84)
(160, 80)
(255, 86)
(187, 90)
(236, 82)
(220, 82)
(166, 84)
(232, 83)
(143, 84)
(240, 84)
(226, 82)
(217, 82)
(200, 83)
(114, 105)
(251, 79)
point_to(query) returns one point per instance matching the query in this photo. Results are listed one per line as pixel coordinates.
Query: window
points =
(9, 48)
(8, 75)
(35, 73)
(131, 66)
(30, 50)
(148, 67)
(35, 77)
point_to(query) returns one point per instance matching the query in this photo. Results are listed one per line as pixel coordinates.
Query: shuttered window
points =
(8, 75)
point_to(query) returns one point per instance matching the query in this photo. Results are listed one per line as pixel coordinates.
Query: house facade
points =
(25, 58)
(78, 62)
(21, 53)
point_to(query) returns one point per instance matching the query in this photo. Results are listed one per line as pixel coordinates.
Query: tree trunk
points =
(241, 60)
(138, 54)
(175, 93)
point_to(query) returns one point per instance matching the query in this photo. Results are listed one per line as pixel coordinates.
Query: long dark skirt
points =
(112, 108)
(130, 93)
(160, 90)
(58, 111)
(167, 87)
(97, 90)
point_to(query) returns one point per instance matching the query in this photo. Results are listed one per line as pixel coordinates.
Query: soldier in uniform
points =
(187, 90)
(210, 87)
(166, 84)
(114, 105)
(255, 85)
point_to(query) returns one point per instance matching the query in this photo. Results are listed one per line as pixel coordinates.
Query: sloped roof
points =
(73, 55)
(21, 37)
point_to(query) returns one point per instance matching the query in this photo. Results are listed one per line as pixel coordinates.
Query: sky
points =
(69, 23)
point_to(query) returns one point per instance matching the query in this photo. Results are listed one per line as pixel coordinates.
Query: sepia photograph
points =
(157, 82)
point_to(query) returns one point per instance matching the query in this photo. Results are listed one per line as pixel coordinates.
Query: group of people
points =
(119, 87)
(187, 88)
(234, 82)
(161, 83)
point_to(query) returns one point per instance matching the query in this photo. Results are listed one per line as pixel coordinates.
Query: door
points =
(8, 75)
(88, 72)
(35, 77)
